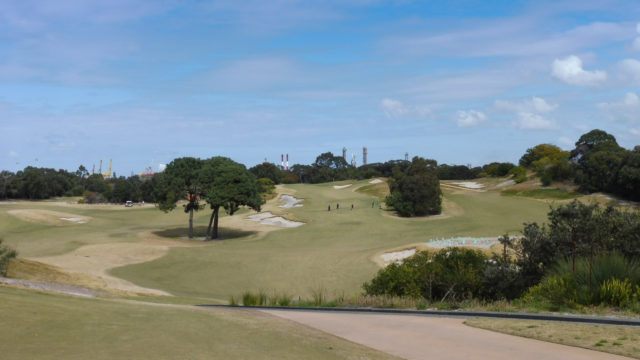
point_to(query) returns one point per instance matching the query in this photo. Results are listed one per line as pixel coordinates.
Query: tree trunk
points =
(210, 222)
(191, 223)
(214, 232)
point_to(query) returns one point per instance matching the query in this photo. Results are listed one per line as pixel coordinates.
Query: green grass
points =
(45, 326)
(557, 194)
(332, 251)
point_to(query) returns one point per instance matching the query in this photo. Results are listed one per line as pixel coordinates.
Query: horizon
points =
(145, 82)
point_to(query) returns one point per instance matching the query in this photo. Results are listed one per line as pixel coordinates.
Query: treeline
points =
(584, 255)
(597, 163)
(34, 183)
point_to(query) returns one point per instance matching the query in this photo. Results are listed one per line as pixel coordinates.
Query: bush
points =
(452, 274)
(546, 179)
(6, 254)
(610, 282)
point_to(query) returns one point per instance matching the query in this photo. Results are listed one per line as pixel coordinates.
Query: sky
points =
(462, 82)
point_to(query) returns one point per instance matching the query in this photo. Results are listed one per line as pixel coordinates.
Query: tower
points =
(406, 156)
(364, 155)
(344, 153)
(353, 159)
(281, 161)
(287, 162)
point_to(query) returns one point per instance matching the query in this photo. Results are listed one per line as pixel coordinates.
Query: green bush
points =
(6, 254)
(616, 292)
(452, 274)
(251, 299)
(611, 281)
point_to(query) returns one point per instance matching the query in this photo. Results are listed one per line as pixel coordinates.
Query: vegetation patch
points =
(620, 340)
(557, 194)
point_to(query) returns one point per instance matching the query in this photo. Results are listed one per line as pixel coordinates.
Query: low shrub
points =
(6, 254)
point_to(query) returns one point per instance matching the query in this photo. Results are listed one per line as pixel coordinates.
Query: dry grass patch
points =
(620, 340)
(48, 217)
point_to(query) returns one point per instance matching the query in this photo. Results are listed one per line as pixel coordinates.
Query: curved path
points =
(420, 337)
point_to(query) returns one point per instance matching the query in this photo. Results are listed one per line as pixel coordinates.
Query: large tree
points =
(180, 181)
(416, 191)
(228, 185)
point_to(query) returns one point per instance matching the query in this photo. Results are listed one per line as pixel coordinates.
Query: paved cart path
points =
(422, 337)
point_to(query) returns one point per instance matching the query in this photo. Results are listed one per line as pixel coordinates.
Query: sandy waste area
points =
(267, 218)
(290, 201)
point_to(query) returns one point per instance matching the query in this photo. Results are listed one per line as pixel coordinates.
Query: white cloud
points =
(636, 44)
(631, 69)
(533, 105)
(634, 131)
(13, 154)
(395, 109)
(626, 109)
(565, 142)
(531, 121)
(571, 72)
(470, 118)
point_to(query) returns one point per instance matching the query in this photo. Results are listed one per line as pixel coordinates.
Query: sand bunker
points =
(267, 218)
(338, 187)
(375, 181)
(506, 183)
(48, 217)
(397, 256)
(7, 202)
(469, 184)
(482, 242)
(290, 201)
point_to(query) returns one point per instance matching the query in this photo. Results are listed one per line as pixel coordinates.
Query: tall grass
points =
(609, 279)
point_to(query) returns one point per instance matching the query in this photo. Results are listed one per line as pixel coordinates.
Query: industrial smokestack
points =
(281, 161)
(364, 155)
(287, 162)
(344, 153)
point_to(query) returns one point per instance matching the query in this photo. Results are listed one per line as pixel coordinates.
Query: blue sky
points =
(468, 82)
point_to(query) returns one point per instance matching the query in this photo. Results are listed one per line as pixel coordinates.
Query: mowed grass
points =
(332, 252)
(621, 340)
(45, 326)
(552, 193)
(108, 224)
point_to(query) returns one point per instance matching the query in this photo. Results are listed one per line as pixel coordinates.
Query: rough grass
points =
(620, 340)
(45, 326)
(379, 190)
(557, 194)
(333, 250)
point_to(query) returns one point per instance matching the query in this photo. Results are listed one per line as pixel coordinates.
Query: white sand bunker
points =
(267, 218)
(74, 219)
(7, 202)
(290, 201)
(469, 184)
(338, 187)
(375, 181)
(481, 242)
(397, 256)
(48, 217)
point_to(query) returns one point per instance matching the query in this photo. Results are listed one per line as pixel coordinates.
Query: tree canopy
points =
(416, 190)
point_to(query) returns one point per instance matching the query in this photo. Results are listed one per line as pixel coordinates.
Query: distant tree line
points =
(597, 163)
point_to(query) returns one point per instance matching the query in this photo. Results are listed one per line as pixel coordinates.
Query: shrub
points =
(452, 274)
(6, 254)
(616, 292)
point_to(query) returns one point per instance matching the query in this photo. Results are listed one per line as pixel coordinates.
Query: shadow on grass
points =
(199, 232)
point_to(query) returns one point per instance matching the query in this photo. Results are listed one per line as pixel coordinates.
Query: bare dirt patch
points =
(375, 181)
(48, 217)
